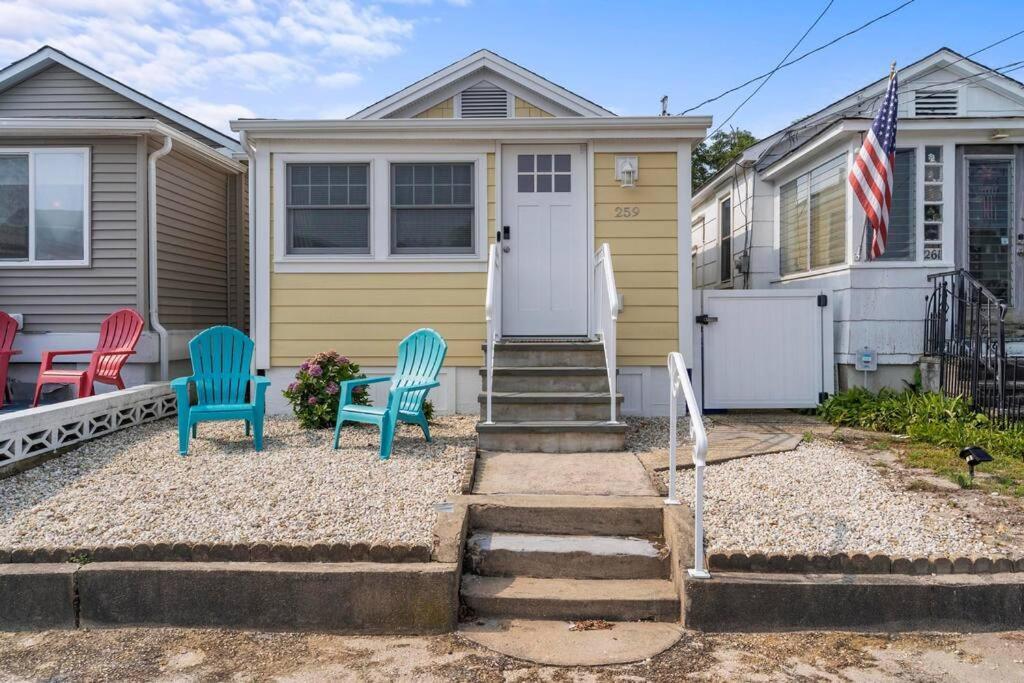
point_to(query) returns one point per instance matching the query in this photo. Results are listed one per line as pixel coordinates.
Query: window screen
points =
(328, 209)
(14, 218)
(432, 208)
(902, 232)
(725, 239)
(812, 219)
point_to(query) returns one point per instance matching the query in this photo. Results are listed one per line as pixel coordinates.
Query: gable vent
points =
(935, 103)
(484, 101)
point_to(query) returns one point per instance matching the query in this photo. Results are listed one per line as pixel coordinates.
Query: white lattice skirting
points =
(35, 431)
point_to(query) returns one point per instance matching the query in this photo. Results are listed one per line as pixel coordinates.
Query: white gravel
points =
(820, 499)
(133, 487)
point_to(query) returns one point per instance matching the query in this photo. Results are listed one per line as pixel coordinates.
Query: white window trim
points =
(32, 262)
(380, 258)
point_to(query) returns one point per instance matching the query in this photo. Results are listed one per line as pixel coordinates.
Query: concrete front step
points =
(571, 599)
(552, 436)
(568, 378)
(581, 515)
(572, 406)
(548, 354)
(565, 557)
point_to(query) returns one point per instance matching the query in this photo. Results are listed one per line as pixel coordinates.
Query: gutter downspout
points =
(250, 153)
(154, 313)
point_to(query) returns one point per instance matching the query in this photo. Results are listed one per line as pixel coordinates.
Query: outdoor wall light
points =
(974, 455)
(627, 171)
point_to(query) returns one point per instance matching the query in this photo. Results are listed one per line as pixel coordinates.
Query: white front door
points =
(545, 253)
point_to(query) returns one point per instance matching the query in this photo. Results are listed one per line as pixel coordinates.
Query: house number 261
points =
(627, 211)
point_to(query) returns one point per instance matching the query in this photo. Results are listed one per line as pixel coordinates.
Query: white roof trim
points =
(115, 127)
(482, 59)
(574, 128)
(47, 56)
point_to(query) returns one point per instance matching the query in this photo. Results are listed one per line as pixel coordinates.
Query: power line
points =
(772, 72)
(801, 57)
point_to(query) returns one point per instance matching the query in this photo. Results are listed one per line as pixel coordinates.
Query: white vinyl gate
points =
(763, 348)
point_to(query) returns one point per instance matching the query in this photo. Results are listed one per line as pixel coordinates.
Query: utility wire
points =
(772, 72)
(801, 57)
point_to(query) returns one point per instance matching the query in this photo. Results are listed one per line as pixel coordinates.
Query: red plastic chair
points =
(8, 330)
(119, 334)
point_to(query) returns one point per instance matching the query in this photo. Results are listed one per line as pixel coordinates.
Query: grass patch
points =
(937, 427)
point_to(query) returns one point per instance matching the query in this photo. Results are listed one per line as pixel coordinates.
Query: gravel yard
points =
(133, 487)
(820, 498)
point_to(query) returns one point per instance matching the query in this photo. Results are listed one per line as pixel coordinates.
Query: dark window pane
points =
(525, 163)
(462, 174)
(329, 230)
(357, 194)
(900, 242)
(544, 163)
(437, 231)
(462, 194)
(357, 173)
(300, 195)
(562, 163)
(442, 194)
(339, 195)
(403, 195)
(423, 173)
(319, 174)
(442, 175)
(526, 182)
(319, 195)
(544, 183)
(562, 183)
(403, 174)
(300, 175)
(423, 194)
(14, 207)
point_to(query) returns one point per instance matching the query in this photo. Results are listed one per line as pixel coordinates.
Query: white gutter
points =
(250, 153)
(154, 301)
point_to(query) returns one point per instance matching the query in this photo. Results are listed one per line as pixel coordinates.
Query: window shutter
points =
(484, 101)
(935, 103)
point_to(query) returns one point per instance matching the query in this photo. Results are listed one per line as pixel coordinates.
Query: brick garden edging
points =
(860, 563)
(222, 552)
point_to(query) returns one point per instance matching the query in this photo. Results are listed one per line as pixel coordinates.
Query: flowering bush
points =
(315, 393)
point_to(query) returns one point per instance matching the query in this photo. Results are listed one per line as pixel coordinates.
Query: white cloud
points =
(213, 114)
(217, 40)
(339, 79)
(175, 49)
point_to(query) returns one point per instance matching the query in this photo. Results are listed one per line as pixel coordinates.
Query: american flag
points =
(871, 175)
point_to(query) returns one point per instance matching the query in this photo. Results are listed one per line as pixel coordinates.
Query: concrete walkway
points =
(743, 434)
(578, 474)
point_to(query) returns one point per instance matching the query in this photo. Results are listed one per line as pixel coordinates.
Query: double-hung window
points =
(432, 208)
(44, 207)
(328, 208)
(725, 239)
(812, 219)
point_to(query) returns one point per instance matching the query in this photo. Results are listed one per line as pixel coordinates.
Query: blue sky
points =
(220, 59)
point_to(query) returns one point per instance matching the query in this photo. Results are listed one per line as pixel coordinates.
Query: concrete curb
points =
(778, 602)
(37, 597)
(353, 597)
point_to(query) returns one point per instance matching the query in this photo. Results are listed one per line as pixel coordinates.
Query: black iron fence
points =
(965, 331)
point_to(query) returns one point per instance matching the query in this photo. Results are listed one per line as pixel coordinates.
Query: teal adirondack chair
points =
(220, 372)
(420, 356)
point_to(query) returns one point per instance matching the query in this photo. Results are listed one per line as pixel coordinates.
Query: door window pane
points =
(59, 207)
(989, 211)
(544, 172)
(14, 207)
(440, 219)
(328, 209)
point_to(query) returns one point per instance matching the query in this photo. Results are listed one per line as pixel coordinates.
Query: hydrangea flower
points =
(315, 371)
(312, 400)
(304, 366)
(331, 388)
(293, 386)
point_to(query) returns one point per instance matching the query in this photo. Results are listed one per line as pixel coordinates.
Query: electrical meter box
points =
(867, 360)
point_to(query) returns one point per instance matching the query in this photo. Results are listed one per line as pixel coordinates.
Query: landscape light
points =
(974, 455)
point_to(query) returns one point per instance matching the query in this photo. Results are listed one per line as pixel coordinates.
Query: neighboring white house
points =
(782, 214)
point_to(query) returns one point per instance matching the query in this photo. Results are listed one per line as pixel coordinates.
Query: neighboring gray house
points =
(110, 199)
(782, 214)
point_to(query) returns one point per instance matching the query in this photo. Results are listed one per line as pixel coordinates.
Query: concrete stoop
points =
(535, 565)
(549, 397)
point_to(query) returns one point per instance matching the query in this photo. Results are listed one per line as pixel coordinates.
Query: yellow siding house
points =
(367, 228)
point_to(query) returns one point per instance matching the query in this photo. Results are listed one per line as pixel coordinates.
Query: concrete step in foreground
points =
(570, 378)
(552, 436)
(571, 599)
(547, 354)
(584, 515)
(572, 406)
(561, 556)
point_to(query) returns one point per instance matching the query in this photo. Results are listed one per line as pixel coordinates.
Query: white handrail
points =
(606, 314)
(492, 313)
(679, 380)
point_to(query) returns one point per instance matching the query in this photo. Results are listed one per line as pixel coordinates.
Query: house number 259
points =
(627, 211)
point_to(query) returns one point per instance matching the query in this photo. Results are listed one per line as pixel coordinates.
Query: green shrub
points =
(925, 417)
(428, 411)
(315, 393)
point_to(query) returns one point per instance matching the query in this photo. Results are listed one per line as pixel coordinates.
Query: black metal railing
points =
(965, 331)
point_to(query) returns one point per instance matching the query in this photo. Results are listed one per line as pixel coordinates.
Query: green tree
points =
(715, 152)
